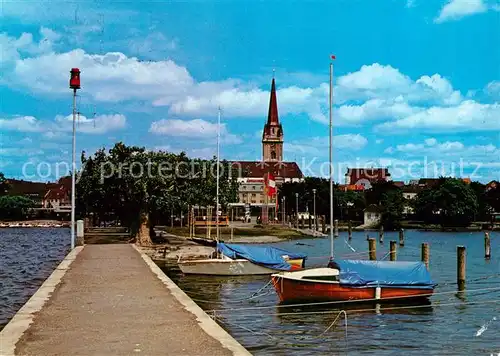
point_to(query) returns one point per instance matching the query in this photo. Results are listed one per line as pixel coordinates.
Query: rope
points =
(254, 295)
(353, 300)
(380, 309)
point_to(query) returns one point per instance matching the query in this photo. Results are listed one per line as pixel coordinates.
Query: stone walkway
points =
(111, 303)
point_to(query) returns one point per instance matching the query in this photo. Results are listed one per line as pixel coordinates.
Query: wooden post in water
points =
(461, 267)
(381, 234)
(392, 254)
(487, 246)
(401, 237)
(323, 223)
(336, 231)
(349, 230)
(372, 249)
(425, 254)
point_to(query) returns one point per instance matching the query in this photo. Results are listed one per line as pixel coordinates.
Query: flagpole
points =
(331, 157)
(217, 198)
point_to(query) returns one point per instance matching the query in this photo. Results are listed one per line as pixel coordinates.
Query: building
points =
(372, 215)
(251, 173)
(366, 176)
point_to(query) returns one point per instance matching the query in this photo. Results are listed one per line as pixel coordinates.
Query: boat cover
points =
(383, 273)
(270, 257)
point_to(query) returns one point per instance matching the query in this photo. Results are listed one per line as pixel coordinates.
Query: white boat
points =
(241, 260)
(223, 267)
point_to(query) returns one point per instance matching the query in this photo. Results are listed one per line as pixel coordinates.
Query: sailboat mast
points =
(331, 158)
(217, 194)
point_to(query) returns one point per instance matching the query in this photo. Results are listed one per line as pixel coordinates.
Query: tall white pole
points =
(331, 160)
(73, 174)
(217, 199)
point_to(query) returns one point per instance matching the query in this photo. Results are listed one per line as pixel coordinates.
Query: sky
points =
(416, 83)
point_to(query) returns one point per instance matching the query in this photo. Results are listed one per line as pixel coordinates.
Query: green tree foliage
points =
(449, 203)
(492, 198)
(139, 187)
(4, 185)
(14, 207)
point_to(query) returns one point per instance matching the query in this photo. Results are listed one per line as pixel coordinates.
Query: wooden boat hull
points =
(228, 267)
(294, 290)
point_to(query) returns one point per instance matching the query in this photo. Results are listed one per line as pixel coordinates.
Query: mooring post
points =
(80, 228)
(392, 254)
(381, 234)
(425, 254)
(323, 223)
(487, 246)
(231, 232)
(336, 231)
(372, 249)
(349, 230)
(461, 267)
(401, 237)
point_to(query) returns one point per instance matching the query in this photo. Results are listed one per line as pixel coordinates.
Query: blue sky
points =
(417, 83)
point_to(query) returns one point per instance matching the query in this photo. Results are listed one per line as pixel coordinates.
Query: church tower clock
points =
(272, 137)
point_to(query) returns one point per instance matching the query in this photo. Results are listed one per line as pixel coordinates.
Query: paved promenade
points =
(114, 301)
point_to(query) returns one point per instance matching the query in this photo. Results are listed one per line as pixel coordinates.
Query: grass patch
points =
(225, 232)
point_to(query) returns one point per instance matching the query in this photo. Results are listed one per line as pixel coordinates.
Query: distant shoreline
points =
(35, 223)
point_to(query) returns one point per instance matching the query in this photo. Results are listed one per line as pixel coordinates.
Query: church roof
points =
(272, 116)
(259, 169)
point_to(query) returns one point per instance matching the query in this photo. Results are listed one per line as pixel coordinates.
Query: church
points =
(252, 173)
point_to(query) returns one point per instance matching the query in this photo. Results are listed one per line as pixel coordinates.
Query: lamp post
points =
(283, 208)
(314, 207)
(74, 83)
(297, 210)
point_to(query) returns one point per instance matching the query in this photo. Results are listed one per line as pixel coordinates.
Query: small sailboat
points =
(347, 280)
(241, 260)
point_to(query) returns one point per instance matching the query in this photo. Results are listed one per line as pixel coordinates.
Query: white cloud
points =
(432, 148)
(493, 89)
(410, 3)
(51, 129)
(468, 116)
(196, 129)
(456, 9)
(379, 141)
(14, 48)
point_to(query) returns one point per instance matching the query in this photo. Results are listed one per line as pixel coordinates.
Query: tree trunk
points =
(143, 237)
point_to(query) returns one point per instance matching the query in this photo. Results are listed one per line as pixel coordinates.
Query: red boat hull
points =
(293, 290)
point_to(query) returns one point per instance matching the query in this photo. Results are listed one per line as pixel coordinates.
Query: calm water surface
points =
(452, 325)
(27, 257)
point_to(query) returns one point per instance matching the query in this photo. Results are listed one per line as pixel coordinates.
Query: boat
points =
(241, 260)
(355, 280)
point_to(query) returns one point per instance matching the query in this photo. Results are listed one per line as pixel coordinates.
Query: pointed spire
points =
(272, 117)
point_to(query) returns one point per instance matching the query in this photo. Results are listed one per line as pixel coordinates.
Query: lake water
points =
(453, 324)
(27, 257)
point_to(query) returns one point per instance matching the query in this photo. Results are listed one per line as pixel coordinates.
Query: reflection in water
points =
(443, 325)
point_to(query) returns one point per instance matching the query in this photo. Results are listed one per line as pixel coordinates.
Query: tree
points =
(138, 187)
(451, 202)
(14, 207)
(4, 185)
(391, 201)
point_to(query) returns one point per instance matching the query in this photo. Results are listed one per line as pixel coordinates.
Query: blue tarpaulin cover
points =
(361, 273)
(270, 257)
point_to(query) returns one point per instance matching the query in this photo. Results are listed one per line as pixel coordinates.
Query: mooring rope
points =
(353, 300)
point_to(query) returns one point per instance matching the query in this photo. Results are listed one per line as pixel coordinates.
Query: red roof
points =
(258, 169)
(353, 187)
(272, 116)
(60, 193)
(398, 183)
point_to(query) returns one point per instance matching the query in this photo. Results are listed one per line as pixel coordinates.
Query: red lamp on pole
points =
(74, 83)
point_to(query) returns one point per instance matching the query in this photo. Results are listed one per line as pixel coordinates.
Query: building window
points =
(253, 187)
(253, 195)
(273, 154)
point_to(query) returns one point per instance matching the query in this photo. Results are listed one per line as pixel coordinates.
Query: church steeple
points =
(272, 116)
(272, 137)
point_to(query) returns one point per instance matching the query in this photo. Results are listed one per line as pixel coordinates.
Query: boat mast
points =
(331, 158)
(217, 193)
